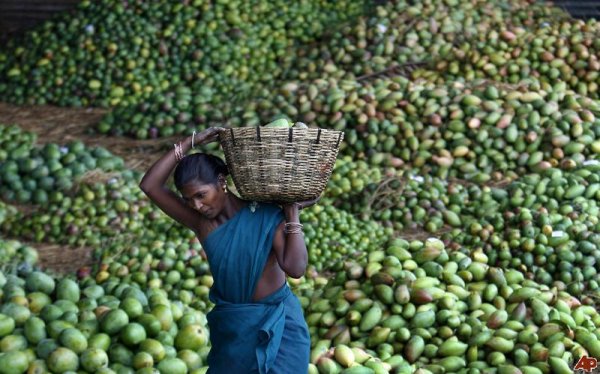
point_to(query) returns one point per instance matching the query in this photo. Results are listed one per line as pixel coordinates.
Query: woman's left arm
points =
(290, 248)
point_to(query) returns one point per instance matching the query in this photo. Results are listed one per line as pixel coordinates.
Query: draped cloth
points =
(268, 336)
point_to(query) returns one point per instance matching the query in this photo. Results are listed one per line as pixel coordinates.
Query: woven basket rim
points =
(260, 132)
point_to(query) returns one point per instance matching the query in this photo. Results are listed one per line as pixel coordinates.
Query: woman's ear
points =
(222, 181)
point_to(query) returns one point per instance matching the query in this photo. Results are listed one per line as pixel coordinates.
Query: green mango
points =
(280, 123)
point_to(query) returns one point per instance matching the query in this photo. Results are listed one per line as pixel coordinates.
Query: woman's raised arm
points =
(154, 181)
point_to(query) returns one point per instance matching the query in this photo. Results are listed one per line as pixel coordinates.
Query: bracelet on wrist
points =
(179, 155)
(293, 228)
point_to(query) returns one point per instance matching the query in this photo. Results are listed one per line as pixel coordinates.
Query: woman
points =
(257, 325)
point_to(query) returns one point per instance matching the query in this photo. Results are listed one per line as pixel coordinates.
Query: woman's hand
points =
(209, 135)
(301, 204)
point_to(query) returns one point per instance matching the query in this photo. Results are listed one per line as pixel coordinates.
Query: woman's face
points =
(207, 199)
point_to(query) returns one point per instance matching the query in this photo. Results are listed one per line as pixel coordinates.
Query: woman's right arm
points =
(154, 182)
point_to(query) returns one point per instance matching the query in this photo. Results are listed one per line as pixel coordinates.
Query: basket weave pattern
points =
(280, 164)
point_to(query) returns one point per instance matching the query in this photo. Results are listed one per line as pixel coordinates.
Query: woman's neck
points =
(232, 206)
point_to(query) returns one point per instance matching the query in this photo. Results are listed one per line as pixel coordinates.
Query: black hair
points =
(199, 167)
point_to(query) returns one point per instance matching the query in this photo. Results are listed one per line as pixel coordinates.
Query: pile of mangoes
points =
(474, 122)
(97, 212)
(419, 305)
(16, 255)
(38, 174)
(478, 131)
(61, 325)
(333, 234)
(174, 266)
(554, 52)
(109, 53)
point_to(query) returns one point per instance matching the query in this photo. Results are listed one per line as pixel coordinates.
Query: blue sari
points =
(268, 336)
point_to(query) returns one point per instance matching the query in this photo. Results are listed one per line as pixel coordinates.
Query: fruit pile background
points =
(459, 232)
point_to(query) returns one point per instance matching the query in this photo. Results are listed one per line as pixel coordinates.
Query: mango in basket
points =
(282, 122)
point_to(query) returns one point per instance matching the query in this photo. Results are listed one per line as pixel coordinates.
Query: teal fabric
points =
(246, 336)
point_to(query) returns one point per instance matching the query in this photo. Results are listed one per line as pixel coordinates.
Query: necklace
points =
(253, 206)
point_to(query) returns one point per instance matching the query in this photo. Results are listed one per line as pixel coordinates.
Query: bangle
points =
(193, 136)
(178, 152)
(293, 228)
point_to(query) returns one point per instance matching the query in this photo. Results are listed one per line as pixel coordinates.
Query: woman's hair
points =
(199, 167)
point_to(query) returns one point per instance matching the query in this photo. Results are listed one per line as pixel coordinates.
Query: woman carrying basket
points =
(257, 324)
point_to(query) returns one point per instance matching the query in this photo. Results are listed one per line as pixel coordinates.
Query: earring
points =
(225, 188)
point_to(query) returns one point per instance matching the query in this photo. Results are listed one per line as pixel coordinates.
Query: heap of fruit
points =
(418, 305)
(333, 234)
(96, 212)
(15, 143)
(477, 130)
(402, 32)
(15, 254)
(554, 52)
(174, 266)
(60, 325)
(111, 53)
(348, 180)
(546, 225)
(387, 36)
(409, 201)
(7, 212)
(476, 118)
(38, 174)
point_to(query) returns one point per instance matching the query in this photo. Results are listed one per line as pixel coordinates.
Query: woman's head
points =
(200, 168)
(201, 180)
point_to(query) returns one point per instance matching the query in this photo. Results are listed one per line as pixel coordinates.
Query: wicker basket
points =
(280, 164)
